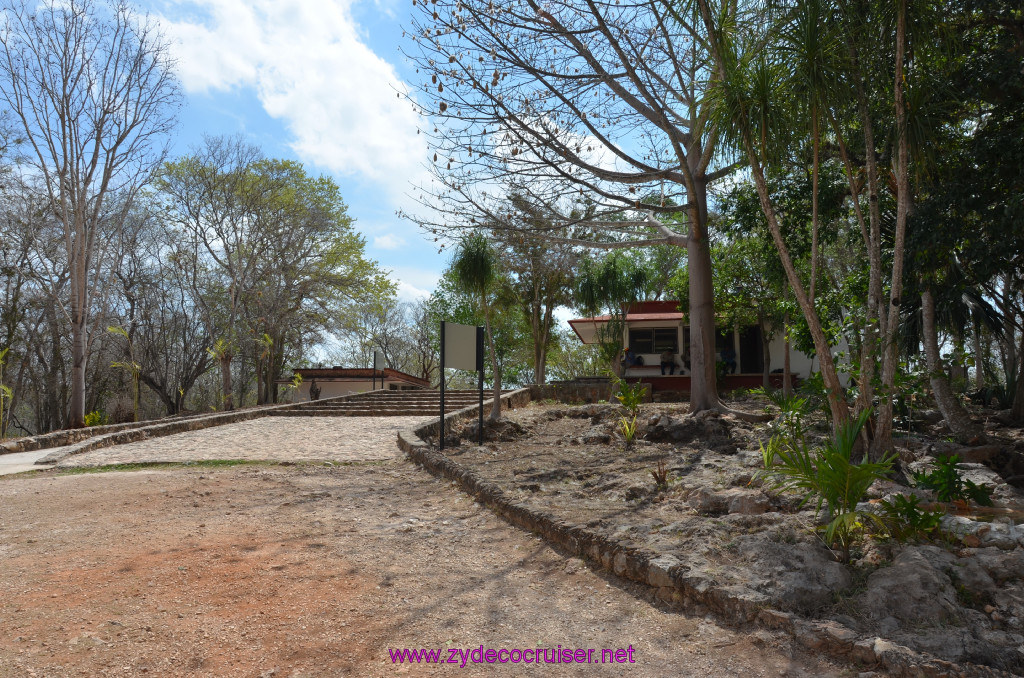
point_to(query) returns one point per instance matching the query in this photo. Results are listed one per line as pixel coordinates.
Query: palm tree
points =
(476, 269)
(809, 42)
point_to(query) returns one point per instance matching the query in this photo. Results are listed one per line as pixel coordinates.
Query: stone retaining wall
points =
(572, 392)
(98, 437)
(668, 579)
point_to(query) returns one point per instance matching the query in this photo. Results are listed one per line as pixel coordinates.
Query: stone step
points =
(359, 413)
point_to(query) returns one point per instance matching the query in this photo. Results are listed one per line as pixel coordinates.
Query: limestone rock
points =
(704, 429)
(596, 435)
(658, 571)
(747, 502)
(796, 577)
(911, 590)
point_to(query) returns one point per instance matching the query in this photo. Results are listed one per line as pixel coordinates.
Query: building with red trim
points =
(336, 381)
(653, 327)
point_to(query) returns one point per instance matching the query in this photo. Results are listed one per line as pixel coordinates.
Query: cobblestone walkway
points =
(271, 438)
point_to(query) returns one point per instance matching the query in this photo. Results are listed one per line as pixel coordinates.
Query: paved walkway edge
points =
(144, 430)
(670, 582)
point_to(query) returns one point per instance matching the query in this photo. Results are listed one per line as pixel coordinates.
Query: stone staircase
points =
(386, 404)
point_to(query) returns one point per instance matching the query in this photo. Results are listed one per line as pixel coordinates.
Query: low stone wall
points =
(670, 581)
(572, 392)
(98, 437)
(511, 400)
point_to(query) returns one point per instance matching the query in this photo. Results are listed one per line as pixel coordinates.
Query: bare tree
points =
(208, 200)
(561, 101)
(92, 88)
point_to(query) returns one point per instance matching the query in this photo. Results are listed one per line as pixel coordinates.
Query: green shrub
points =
(906, 521)
(96, 418)
(947, 483)
(628, 429)
(630, 395)
(792, 411)
(828, 477)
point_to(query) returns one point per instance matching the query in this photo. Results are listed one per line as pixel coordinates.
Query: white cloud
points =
(414, 283)
(309, 68)
(388, 241)
(407, 292)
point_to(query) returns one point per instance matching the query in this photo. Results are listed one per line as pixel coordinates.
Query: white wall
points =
(330, 389)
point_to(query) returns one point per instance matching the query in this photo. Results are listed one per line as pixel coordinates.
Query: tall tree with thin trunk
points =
(475, 266)
(92, 88)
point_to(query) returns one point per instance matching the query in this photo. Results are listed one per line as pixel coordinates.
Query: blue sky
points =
(314, 81)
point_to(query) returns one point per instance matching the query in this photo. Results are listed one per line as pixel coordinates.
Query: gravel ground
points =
(271, 438)
(314, 570)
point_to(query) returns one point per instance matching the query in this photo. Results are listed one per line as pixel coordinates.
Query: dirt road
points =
(315, 570)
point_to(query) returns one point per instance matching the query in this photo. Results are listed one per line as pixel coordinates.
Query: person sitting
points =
(668, 359)
(630, 359)
(729, 358)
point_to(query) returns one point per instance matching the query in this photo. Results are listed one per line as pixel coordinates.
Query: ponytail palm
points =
(476, 269)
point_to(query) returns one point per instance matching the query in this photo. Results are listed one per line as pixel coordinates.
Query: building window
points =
(654, 340)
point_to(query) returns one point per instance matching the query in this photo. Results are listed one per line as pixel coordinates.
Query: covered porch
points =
(655, 328)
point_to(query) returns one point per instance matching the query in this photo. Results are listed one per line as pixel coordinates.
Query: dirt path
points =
(314, 571)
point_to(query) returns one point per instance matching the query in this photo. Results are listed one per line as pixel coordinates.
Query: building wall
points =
(800, 363)
(330, 389)
(654, 359)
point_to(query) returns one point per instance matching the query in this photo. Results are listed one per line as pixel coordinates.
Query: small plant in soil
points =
(906, 521)
(660, 475)
(947, 483)
(630, 396)
(793, 410)
(828, 476)
(628, 429)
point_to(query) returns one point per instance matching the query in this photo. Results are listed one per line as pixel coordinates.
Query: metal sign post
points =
(440, 435)
(462, 348)
(480, 378)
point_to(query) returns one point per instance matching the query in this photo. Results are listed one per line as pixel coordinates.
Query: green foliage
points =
(131, 366)
(629, 395)
(947, 483)
(793, 410)
(475, 265)
(295, 383)
(906, 521)
(628, 429)
(828, 477)
(96, 418)
(609, 284)
(911, 385)
(813, 388)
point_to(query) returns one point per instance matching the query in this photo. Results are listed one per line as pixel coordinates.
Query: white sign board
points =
(378, 361)
(460, 346)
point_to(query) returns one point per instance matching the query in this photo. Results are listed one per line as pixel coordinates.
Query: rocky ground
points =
(958, 596)
(312, 569)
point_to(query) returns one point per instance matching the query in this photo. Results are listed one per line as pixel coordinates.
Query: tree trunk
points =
(496, 392)
(814, 206)
(882, 442)
(1017, 411)
(834, 390)
(875, 321)
(766, 353)
(260, 398)
(79, 352)
(979, 364)
(703, 379)
(957, 419)
(225, 382)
